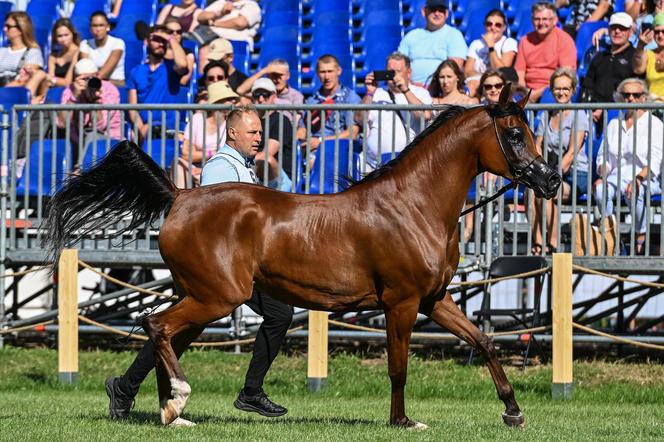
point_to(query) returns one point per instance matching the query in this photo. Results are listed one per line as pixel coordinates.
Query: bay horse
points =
(388, 242)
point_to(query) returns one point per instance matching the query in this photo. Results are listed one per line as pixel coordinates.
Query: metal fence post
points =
(4, 172)
(68, 316)
(562, 387)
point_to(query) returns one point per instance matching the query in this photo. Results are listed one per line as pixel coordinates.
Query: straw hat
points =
(220, 90)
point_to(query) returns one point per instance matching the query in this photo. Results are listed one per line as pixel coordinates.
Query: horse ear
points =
(524, 100)
(505, 94)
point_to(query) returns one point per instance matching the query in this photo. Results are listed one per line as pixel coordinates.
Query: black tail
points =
(126, 181)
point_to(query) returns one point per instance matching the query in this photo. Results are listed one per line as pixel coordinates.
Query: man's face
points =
(436, 17)
(156, 45)
(619, 35)
(400, 69)
(280, 76)
(328, 74)
(544, 21)
(633, 93)
(261, 96)
(99, 27)
(247, 134)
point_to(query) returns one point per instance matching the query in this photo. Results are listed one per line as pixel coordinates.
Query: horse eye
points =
(514, 134)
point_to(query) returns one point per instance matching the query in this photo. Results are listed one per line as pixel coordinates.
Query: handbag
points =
(594, 248)
(203, 34)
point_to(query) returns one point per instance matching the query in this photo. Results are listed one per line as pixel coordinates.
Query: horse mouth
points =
(543, 179)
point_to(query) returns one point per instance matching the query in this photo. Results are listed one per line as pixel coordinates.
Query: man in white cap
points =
(87, 88)
(611, 66)
(279, 148)
(222, 49)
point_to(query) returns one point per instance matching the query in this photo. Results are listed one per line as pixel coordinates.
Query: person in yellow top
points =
(651, 62)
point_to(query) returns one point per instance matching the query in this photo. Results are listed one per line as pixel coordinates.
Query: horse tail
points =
(125, 182)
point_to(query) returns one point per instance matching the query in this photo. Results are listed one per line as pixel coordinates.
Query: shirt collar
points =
(235, 154)
(340, 93)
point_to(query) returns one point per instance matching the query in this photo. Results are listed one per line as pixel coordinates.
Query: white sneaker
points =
(180, 422)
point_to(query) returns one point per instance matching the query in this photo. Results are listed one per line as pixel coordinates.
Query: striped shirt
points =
(12, 61)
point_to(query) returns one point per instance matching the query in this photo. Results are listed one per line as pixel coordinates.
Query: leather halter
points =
(517, 174)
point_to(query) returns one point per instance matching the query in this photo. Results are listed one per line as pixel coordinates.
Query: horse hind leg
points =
(447, 314)
(184, 318)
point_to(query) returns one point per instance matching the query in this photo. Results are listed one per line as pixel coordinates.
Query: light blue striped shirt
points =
(227, 165)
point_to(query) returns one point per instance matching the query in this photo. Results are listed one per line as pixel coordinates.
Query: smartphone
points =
(383, 75)
(646, 27)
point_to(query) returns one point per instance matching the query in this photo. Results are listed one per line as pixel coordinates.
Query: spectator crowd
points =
(432, 65)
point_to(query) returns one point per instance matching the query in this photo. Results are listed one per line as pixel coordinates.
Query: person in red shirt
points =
(543, 50)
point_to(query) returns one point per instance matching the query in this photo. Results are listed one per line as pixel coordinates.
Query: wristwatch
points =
(491, 49)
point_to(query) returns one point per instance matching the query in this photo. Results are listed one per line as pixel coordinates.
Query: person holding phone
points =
(651, 62)
(385, 133)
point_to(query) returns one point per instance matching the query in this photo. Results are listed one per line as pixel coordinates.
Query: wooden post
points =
(562, 387)
(68, 316)
(317, 350)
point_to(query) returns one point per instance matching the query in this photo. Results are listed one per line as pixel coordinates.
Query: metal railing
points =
(35, 168)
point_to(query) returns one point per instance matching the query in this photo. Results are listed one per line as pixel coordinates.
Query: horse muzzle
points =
(542, 178)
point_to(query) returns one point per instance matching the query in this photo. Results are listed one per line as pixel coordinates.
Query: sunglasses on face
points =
(498, 25)
(157, 39)
(436, 9)
(659, 31)
(174, 31)
(214, 78)
(265, 95)
(497, 86)
(636, 95)
(8, 26)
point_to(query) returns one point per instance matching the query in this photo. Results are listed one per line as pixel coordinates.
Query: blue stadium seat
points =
(330, 171)
(282, 5)
(584, 37)
(376, 51)
(54, 95)
(241, 55)
(10, 96)
(134, 55)
(5, 8)
(162, 151)
(280, 34)
(44, 7)
(522, 25)
(472, 23)
(95, 151)
(282, 18)
(82, 25)
(42, 25)
(142, 8)
(516, 8)
(124, 94)
(87, 7)
(289, 51)
(44, 170)
(417, 19)
(125, 28)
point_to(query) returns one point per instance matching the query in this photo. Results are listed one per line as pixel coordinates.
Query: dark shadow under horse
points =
(389, 242)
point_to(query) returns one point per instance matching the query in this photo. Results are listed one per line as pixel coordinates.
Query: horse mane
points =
(447, 114)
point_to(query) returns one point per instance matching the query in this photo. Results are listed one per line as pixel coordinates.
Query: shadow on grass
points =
(149, 418)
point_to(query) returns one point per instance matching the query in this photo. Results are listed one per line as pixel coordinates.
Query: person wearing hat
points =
(222, 49)
(205, 132)
(612, 65)
(428, 47)
(279, 149)
(88, 88)
(651, 62)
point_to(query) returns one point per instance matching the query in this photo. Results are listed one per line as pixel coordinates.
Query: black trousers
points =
(277, 317)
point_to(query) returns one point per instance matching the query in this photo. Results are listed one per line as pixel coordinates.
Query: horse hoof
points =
(172, 408)
(417, 426)
(517, 421)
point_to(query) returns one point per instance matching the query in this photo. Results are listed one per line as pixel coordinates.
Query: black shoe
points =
(260, 404)
(120, 404)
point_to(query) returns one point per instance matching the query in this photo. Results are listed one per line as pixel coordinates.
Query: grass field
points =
(612, 402)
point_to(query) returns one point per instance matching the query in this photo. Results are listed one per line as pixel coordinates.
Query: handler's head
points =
(243, 131)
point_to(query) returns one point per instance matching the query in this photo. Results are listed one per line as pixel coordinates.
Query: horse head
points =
(513, 153)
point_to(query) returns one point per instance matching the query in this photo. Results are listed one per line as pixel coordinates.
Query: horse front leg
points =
(447, 314)
(400, 321)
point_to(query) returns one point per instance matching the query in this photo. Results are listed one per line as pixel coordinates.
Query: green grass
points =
(612, 401)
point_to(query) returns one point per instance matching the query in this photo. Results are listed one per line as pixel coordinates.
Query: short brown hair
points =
(237, 113)
(327, 58)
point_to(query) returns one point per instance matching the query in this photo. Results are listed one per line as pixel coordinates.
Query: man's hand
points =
(313, 144)
(78, 87)
(370, 83)
(633, 186)
(597, 115)
(400, 83)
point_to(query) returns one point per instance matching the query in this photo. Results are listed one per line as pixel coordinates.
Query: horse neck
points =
(441, 169)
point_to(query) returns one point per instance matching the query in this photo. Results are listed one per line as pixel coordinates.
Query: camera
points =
(383, 75)
(646, 27)
(93, 86)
